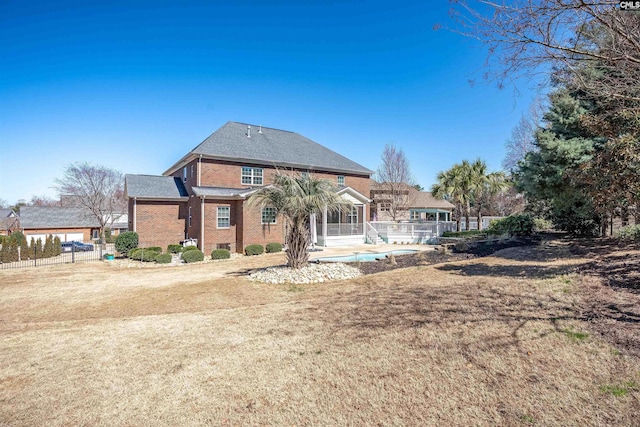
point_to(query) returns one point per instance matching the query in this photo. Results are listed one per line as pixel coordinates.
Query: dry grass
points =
(505, 340)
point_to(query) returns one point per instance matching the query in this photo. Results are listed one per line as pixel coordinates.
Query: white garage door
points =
(75, 237)
(35, 237)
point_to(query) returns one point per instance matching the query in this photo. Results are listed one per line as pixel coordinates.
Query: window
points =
(269, 215)
(251, 176)
(224, 217)
(415, 216)
(95, 234)
(352, 216)
(189, 216)
(340, 179)
(184, 174)
(385, 207)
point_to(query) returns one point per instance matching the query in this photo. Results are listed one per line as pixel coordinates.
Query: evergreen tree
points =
(57, 246)
(13, 251)
(38, 249)
(48, 247)
(25, 253)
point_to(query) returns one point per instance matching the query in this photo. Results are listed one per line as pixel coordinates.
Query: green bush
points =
(143, 254)
(273, 247)
(126, 241)
(220, 254)
(190, 248)
(254, 249)
(541, 224)
(17, 237)
(163, 259)
(174, 249)
(630, 232)
(193, 255)
(155, 248)
(513, 225)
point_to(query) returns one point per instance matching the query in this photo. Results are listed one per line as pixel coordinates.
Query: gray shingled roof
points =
(55, 217)
(273, 147)
(4, 213)
(154, 187)
(221, 191)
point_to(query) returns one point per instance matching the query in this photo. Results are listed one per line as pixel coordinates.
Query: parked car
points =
(76, 246)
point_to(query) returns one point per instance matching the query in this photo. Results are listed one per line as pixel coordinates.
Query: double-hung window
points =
(224, 217)
(269, 215)
(251, 176)
(340, 179)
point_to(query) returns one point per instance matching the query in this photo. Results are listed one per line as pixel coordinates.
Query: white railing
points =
(473, 222)
(372, 234)
(417, 230)
(355, 229)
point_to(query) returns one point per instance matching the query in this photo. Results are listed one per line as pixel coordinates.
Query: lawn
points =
(543, 335)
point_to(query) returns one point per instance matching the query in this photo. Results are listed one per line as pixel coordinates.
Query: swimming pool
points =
(365, 257)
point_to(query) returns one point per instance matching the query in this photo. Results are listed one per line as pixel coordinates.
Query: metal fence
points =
(73, 256)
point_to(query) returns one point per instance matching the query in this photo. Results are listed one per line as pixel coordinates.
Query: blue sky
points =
(135, 85)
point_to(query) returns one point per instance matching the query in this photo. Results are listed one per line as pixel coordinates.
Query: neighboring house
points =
(411, 205)
(69, 224)
(9, 222)
(203, 196)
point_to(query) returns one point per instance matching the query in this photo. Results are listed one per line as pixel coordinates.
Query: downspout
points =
(135, 210)
(202, 224)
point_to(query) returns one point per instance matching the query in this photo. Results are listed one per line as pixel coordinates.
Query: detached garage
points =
(69, 224)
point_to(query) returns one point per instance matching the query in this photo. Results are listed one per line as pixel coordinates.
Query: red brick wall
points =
(160, 223)
(228, 174)
(256, 233)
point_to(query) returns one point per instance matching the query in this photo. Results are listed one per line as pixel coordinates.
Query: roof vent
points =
(260, 130)
(248, 131)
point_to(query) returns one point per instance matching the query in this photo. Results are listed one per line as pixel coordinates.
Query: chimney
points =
(248, 131)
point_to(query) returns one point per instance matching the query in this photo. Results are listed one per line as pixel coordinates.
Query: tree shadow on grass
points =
(516, 271)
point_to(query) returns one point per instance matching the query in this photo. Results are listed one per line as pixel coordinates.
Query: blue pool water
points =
(365, 257)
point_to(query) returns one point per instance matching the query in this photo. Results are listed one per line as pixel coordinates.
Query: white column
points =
(314, 230)
(202, 224)
(324, 225)
(134, 214)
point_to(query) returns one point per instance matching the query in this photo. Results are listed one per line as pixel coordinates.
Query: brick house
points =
(9, 222)
(411, 204)
(203, 195)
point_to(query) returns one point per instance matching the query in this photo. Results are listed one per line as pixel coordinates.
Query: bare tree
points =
(522, 139)
(529, 36)
(43, 201)
(395, 179)
(96, 188)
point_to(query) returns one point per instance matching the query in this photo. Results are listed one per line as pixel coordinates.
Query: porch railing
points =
(355, 229)
(417, 230)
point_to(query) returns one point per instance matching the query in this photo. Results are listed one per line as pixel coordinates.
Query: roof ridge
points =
(262, 126)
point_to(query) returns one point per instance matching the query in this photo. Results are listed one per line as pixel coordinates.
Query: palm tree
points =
(485, 186)
(296, 198)
(456, 185)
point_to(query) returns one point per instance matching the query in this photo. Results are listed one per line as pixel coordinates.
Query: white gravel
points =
(312, 273)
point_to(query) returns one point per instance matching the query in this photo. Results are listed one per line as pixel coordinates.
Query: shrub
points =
(469, 233)
(163, 259)
(57, 246)
(193, 255)
(630, 232)
(143, 254)
(273, 247)
(513, 225)
(220, 254)
(254, 249)
(17, 237)
(155, 248)
(541, 224)
(174, 249)
(25, 252)
(190, 248)
(126, 241)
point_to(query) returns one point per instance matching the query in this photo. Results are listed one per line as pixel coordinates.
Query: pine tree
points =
(57, 246)
(38, 249)
(48, 247)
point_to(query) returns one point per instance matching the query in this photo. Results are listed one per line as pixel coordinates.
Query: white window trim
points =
(184, 174)
(275, 217)
(218, 217)
(344, 180)
(253, 175)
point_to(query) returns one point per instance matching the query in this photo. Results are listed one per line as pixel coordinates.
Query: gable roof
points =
(416, 199)
(56, 217)
(154, 187)
(268, 146)
(5, 213)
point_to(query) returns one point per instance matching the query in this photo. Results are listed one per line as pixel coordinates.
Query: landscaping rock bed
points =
(312, 273)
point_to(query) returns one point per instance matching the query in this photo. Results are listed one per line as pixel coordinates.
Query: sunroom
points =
(345, 227)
